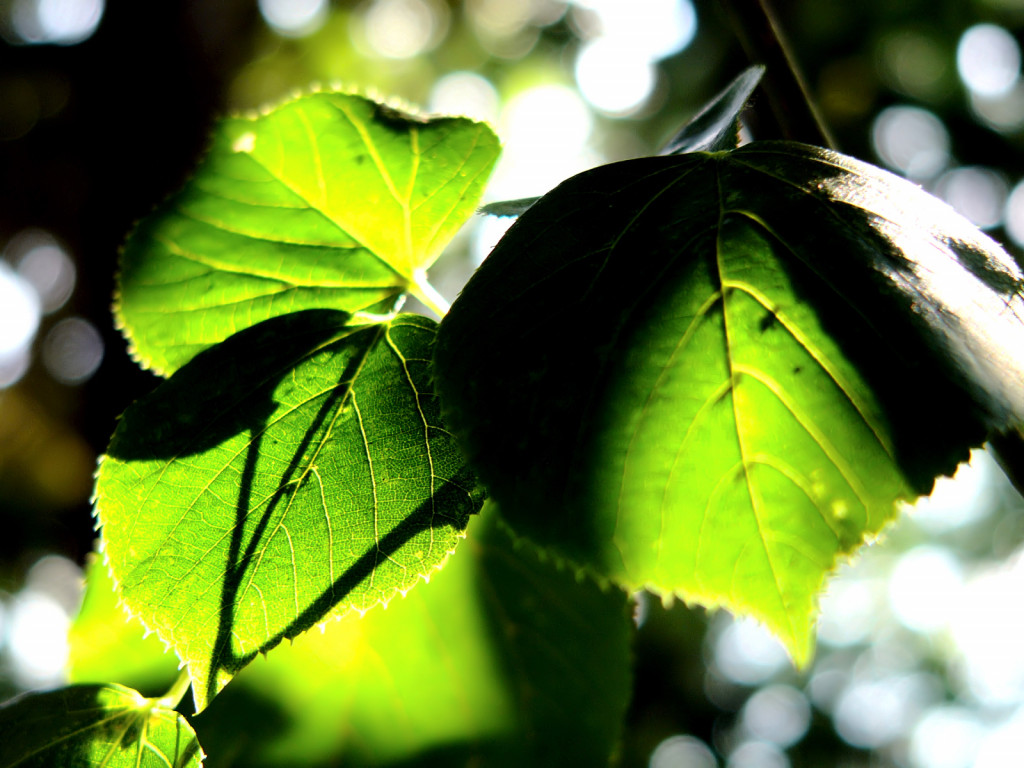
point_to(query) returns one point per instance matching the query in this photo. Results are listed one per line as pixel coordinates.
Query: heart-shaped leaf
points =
(716, 374)
(328, 201)
(95, 725)
(292, 473)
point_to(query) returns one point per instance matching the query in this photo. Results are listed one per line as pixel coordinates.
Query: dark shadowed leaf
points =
(717, 374)
(86, 726)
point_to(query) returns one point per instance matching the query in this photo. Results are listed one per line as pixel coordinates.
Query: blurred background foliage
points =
(105, 106)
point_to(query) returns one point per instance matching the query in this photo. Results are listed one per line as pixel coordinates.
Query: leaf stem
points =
(176, 693)
(762, 39)
(428, 294)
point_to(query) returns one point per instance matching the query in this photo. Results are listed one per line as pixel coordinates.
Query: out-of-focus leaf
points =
(105, 644)
(716, 126)
(328, 201)
(86, 726)
(716, 374)
(509, 207)
(503, 660)
(292, 473)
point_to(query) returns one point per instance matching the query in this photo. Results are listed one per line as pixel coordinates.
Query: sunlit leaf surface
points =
(94, 726)
(502, 660)
(105, 644)
(327, 201)
(716, 374)
(295, 472)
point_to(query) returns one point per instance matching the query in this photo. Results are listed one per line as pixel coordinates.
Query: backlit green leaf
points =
(292, 473)
(86, 726)
(503, 660)
(105, 644)
(328, 201)
(716, 374)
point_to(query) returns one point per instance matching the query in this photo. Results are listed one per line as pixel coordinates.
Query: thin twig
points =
(758, 32)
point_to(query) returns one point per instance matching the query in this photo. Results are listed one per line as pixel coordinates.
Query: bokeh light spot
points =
(757, 754)
(912, 141)
(72, 350)
(1003, 113)
(545, 130)
(683, 752)
(976, 193)
(652, 29)
(19, 312)
(946, 737)
(401, 29)
(1014, 214)
(849, 612)
(294, 18)
(465, 93)
(923, 584)
(44, 264)
(613, 78)
(778, 714)
(59, 22)
(747, 653)
(874, 713)
(989, 632)
(988, 59)
(914, 62)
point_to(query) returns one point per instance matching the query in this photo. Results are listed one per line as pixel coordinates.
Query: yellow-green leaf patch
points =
(295, 472)
(327, 201)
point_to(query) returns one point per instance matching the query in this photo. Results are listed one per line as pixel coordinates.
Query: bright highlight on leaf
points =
(328, 201)
(95, 725)
(716, 374)
(295, 472)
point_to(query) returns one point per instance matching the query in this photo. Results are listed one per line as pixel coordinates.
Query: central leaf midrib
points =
(378, 161)
(407, 279)
(720, 273)
(276, 277)
(300, 481)
(246, 446)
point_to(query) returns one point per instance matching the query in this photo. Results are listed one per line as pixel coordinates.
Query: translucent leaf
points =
(292, 473)
(328, 201)
(504, 660)
(85, 726)
(731, 368)
(717, 125)
(105, 644)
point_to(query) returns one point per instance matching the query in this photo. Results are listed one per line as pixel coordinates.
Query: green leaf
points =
(504, 660)
(290, 474)
(105, 644)
(714, 128)
(731, 368)
(328, 201)
(717, 125)
(94, 725)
